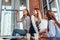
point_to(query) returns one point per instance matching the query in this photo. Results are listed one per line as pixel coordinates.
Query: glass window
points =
(59, 8)
(54, 8)
(8, 15)
(23, 5)
(45, 9)
(50, 0)
(44, 2)
(59, 4)
(6, 18)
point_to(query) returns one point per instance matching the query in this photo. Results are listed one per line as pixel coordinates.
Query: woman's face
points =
(35, 12)
(51, 14)
(25, 12)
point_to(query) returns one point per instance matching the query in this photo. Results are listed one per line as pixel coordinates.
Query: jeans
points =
(18, 31)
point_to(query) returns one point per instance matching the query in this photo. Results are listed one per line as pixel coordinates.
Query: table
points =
(24, 38)
(43, 38)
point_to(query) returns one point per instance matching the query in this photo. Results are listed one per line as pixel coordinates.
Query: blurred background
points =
(8, 12)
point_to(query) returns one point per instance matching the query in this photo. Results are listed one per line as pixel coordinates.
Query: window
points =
(45, 9)
(44, 2)
(50, 0)
(59, 9)
(44, 5)
(6, 18)
(23, 5)
(8, 15)
(54, 6)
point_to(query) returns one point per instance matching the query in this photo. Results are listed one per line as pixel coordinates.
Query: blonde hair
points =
(38, 14)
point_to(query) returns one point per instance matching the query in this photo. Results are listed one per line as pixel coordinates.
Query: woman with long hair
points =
(35, 21)
(25, 21)
(53, 25)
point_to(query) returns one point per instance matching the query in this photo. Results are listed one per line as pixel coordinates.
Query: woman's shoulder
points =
(51, 21)
(28, 17)
(32, 16)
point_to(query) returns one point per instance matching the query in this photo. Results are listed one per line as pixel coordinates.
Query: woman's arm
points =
(34, 25)
(28, 23)
(17, 19)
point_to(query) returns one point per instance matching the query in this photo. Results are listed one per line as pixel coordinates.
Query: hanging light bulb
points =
(6, 0)
(22, 4)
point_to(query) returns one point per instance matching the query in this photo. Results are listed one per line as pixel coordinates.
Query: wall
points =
(35, 4)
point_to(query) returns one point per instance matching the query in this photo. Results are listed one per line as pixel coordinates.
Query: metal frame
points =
(42, 9)
(57, 9)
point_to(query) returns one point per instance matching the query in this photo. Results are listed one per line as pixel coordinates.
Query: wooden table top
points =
(42, 38)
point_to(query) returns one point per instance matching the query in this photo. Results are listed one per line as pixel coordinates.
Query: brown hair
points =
(27, 14)
(37, 12)
(52, 17)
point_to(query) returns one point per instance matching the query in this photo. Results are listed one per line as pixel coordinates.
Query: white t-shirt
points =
(43, 24)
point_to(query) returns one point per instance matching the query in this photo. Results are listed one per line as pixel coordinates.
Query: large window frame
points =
(13, 11)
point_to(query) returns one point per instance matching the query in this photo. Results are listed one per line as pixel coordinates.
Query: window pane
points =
(50, 0)
(45, 9)
(7, 7)
(23, 6)
(20, 16)
(59, 9)
(44, 2)
(54, 8)
(24, 2)
(6, 4)
(6, 18)
(6, 23)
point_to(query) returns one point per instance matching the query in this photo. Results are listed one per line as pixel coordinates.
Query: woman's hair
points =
(27, 14)
(52, 17)
(48, 15)
(37, 12)
(36, 8)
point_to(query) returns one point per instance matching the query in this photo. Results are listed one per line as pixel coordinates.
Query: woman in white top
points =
(35, 21)
(53, 25)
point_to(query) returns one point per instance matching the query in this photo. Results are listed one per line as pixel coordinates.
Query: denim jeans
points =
(18, 31)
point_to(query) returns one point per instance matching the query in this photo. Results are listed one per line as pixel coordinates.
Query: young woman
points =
(35, 21)
(26, 24)
(53, 25)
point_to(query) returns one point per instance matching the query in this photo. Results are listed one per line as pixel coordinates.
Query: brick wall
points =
(35, 4)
